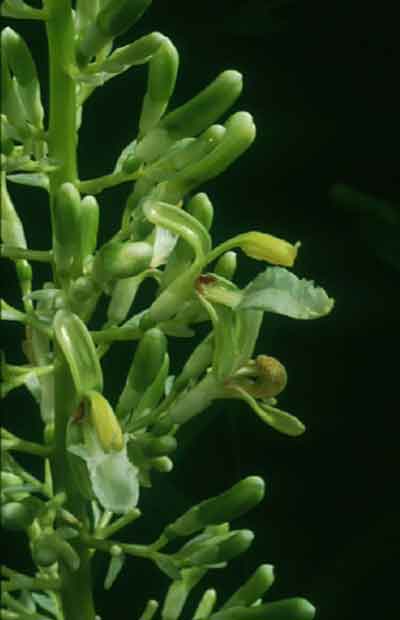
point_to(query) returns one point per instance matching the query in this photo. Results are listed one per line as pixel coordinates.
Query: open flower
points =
(112, 477)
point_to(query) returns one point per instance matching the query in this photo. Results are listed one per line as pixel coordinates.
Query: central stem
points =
(76, 590)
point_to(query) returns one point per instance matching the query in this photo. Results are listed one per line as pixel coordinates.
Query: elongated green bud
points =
(12, 231)
(147, 362)
(253, 589)
(12, 104)
(148, 359)
(201, 208)
(160, 86)
(224, 551)
(156, 446)
(238, 500)
(89, 225)
(240, 133)
(66, 243)
(9, 480)
(291, 608)
(199, 360)
(122, 297)
(78, 348)
(194, 116)
(23, 67)
(117, 16)
(205, 108)
(121, 260)
(226, 265)
(136, 53)
(50, 548)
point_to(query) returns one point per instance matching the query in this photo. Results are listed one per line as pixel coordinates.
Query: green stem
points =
(9, 251)
(76, 590)
(97, 185)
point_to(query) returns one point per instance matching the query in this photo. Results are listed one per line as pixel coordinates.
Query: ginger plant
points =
(97, 455)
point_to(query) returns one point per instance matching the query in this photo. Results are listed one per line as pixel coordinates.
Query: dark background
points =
(320, 82)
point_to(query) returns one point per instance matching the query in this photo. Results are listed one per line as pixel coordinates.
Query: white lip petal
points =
(115, 482)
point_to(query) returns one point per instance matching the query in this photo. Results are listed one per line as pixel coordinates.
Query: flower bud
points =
(89, 225)
(160, 85)
(50, 548)
(215, 550)
(238, 500)
(12, 231)
(205, 108)
(117, 16)
(253, 589)
(265, 247)
(240, 133)
(136, 53)
(226, 265)
(200, 207)
(156, 446)
(121, 260)
(67, 234)
(104, 421)
(293, 608)
(147, 362)
(19, 515)
(23, 67)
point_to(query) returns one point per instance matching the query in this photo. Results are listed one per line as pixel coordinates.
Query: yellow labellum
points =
(262, 246)
(106, 425)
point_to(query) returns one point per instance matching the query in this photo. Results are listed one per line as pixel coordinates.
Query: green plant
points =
(96, 456)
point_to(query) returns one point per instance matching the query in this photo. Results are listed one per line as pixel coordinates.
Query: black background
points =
(319, 79)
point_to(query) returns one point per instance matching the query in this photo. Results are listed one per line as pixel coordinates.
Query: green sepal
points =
(287, 609)
(238, 500)
(226, 324)
(78, 348)
(276, 418)
(66, 230)
(121, 260)
(253, 589)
